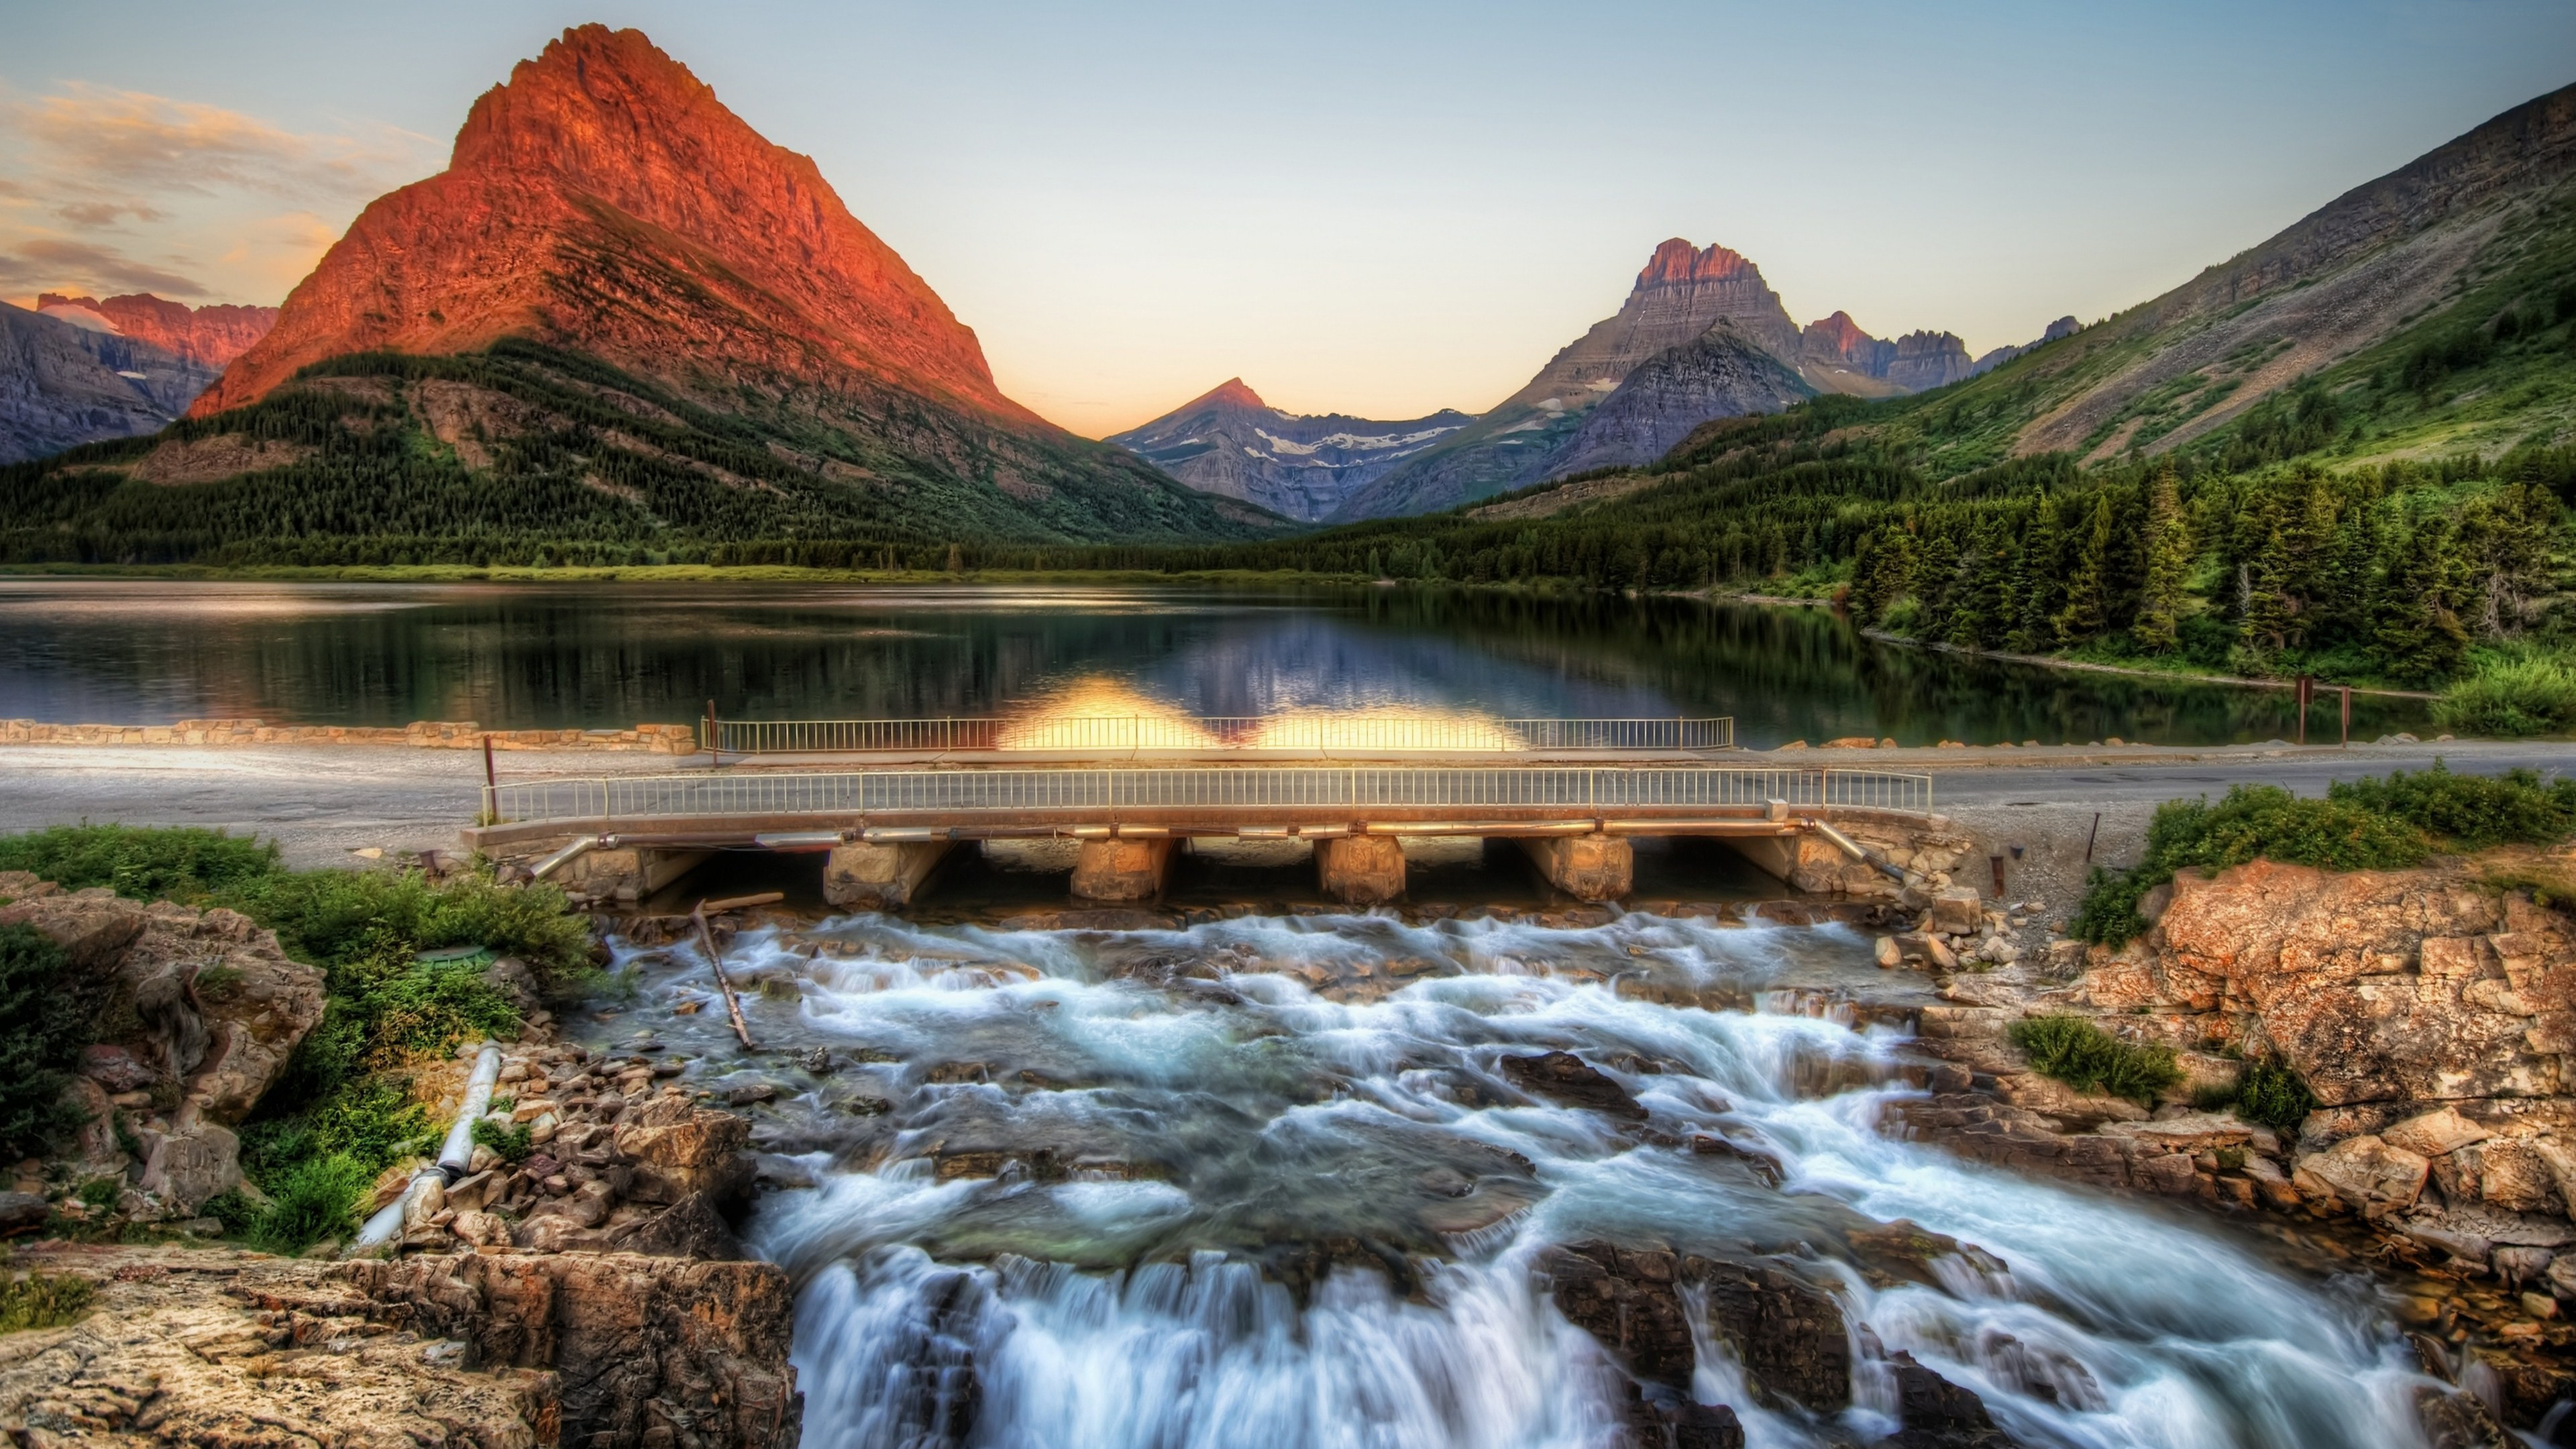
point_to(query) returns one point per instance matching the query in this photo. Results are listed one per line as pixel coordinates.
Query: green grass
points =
(43, 1300)
(2073, 1050)
(511, 1144)
(2271, 1094)
(2511, 698)
(2367, 824)
(341, 1113)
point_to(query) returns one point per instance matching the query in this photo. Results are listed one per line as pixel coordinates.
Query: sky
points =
(1378, 208)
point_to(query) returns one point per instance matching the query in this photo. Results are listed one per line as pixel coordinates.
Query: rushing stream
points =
(1270, 1182)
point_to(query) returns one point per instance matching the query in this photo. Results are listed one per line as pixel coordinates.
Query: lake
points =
(525, 656)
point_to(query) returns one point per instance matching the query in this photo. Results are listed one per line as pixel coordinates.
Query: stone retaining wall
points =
(656, 739)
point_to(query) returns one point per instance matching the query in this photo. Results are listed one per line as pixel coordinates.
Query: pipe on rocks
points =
(453, 1157)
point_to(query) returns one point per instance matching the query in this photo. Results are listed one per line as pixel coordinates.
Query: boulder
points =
(186, 1170)
(679, 1150)
(1955, 911)
(1627, 1301)
(1935, 1413)
(2435, 1134)
(2364, 1174)
(22, 1212)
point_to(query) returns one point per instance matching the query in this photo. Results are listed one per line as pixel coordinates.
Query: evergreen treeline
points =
(594, 466)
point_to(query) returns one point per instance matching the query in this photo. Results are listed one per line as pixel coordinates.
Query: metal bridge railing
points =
(975, 792)
(1219, 732)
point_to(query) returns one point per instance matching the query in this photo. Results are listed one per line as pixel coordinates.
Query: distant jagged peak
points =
(1231, 393)
(1677, 261)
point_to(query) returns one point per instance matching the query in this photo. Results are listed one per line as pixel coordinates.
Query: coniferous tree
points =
(2034, 628)
(2086, 611)
(2168, 561)
(2415, 624)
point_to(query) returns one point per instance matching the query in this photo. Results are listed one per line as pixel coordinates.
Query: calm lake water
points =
(537, 656)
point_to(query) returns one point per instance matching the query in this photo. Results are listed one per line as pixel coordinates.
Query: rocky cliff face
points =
(62, 385)
(1722, 374)
(1988, 362)
(208, 337)
(605, 198)
(1231, 443)
(1926, 360)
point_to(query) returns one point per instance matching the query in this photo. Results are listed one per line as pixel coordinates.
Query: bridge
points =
(887, 827)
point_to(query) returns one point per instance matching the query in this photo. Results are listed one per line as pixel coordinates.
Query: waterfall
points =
(1269, 1183)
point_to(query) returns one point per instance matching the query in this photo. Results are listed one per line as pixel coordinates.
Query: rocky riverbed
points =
(585, 1285)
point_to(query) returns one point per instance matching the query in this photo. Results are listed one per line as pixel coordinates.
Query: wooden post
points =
(491, 786)
(724, 983)
(2306, 691)
(2347, 716)
(1997, 862)
(2091, 836)
(711, 730)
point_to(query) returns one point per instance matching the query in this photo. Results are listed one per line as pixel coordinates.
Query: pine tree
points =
(2085, 613)
(2168, 560)
(2036, 588)
(2415, 625)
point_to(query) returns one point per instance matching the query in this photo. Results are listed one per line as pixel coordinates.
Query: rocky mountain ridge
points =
(209, 337)
(1302, 466)
(1678, 297)
(63, 384)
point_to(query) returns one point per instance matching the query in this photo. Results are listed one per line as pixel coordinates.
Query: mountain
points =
(622, 318)
(63, 384)
(1988, 362)
(210, 337)
(1681, 293)
(1722, 373)
(1304, 466)
(2408, 311)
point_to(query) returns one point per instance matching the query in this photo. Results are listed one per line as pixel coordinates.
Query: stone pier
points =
(861, 876)
(1360, 870)
(1122, 871)
(1586, 867)
(627, 873)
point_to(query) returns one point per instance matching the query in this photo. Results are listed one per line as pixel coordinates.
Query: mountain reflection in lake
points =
(551, 656)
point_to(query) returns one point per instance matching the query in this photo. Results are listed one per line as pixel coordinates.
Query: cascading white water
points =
(1234, 1211)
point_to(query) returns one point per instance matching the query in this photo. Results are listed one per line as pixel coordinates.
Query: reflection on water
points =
(538, 656)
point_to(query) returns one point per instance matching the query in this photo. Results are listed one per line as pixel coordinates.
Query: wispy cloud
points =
(52, 262)
(158, 144)
(101, 214)
(117, 190)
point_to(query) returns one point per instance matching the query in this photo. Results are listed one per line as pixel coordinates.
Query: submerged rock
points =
(1788, 1334)
(1566, 1079)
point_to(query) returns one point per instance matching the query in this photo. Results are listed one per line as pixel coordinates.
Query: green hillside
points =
(529, 454)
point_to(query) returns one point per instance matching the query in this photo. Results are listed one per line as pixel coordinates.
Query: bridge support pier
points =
(628, 874)
(861, 876)
(1586, 867)
(1360, 870)
(1122, 871)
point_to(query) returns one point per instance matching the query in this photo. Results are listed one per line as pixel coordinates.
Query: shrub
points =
(146, 864)
(511, 1144)
(311, 1200)
(2073, 1050)
(2273, 1095)
(43, 1023)
(43, 1300)
(2469, 812)
(2511, 698)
